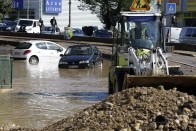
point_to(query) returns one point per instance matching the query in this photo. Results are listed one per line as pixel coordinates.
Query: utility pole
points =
(28, 9)
(40, 10)
(70, 13)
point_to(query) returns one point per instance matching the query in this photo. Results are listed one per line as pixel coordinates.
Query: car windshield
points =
(25, 23)
(24, 45)
(79, 50)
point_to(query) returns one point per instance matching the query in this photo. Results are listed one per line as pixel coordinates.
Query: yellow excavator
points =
(139, 55)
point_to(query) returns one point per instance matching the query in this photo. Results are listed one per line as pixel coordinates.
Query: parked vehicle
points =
(49, 30)
(28, 26)
(81, 56)
(9, 26)
(102, 33)
(38, 50)
(78, 32)
(88, 30)
(172, 34)
(188, 35)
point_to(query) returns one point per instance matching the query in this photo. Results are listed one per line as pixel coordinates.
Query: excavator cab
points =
(143, 32)
(139, 56)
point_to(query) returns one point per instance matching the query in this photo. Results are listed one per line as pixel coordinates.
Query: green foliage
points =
(105, 9)
(5, 7)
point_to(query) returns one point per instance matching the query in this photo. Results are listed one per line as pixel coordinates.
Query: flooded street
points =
(43, 94)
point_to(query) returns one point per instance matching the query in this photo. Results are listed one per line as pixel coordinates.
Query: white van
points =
(173, 36)
(188, 35)
(28, 26)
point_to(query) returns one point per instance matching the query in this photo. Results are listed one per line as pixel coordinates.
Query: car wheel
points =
(115, 87)
(110, 86)
(33, 60)
(175, 72)
(92, 65)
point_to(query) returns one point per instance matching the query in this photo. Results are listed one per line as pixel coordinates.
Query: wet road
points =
(43, 94)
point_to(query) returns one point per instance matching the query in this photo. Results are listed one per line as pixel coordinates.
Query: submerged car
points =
(38, 50)
(81, 56)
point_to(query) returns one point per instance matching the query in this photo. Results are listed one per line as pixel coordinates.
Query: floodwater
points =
(43, 94)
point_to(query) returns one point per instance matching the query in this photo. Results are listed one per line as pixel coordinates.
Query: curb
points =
(186, 54)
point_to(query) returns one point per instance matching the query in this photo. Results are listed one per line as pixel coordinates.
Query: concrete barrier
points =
(183, 46)
(59, 37)
(177, 46)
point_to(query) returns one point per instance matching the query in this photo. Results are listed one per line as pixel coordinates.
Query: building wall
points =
(185, 12)
(78, 18)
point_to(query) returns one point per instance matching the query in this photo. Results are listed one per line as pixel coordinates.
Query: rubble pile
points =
(139, 108)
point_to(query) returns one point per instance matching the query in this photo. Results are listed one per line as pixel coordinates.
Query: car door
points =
(55, 51)
(41, 51)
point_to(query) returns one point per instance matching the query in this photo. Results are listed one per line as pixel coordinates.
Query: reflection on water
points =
(43, 94)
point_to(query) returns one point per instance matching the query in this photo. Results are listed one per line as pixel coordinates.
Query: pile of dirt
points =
(139, 108)
(135, 109)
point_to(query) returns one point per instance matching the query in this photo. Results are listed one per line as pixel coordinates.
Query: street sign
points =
(171, 8)
(140, 5)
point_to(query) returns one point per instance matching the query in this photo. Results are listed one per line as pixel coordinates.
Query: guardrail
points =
(59, 37)
(183, 46)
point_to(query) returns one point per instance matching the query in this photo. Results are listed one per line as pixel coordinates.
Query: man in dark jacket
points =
(53, 24)
(41, 24)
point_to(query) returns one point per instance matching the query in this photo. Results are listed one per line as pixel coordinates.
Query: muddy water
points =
(43, 94)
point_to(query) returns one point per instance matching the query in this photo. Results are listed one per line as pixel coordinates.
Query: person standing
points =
(53, 23)
(41, 24)
(139, 32)
(68, 33)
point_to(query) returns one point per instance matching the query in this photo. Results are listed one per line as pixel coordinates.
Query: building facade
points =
(47, 9)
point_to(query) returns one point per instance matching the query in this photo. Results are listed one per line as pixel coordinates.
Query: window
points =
(41, 46)
(189, 32)
(25, 22)
(52, 46)
(24, 45)
(194, 33)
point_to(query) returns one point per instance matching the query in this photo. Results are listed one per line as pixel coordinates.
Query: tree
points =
(105, 9)
(5, 7)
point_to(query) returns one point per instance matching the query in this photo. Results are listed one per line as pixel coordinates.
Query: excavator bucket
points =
(183, 83)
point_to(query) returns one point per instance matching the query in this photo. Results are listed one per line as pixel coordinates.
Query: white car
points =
(38, 50)
(28, 26)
